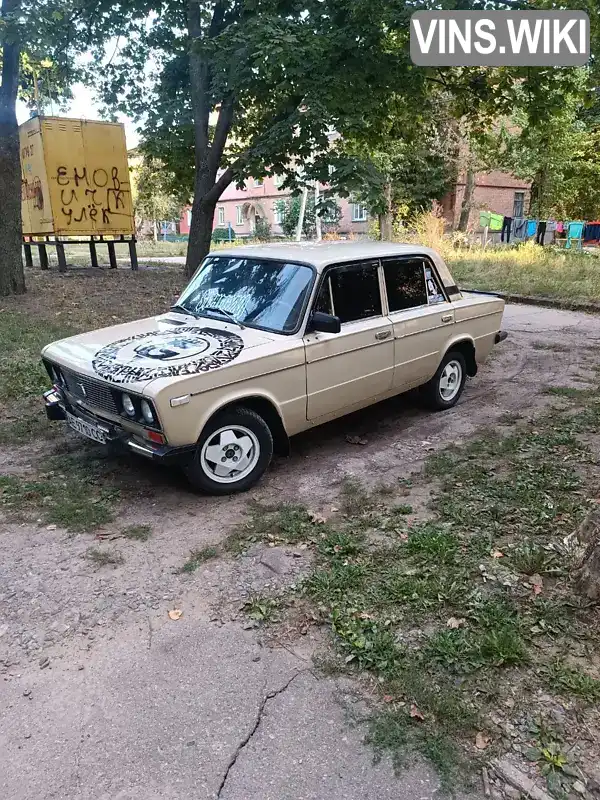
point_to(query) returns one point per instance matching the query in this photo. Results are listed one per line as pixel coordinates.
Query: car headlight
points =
(128, 406)
(147, 412)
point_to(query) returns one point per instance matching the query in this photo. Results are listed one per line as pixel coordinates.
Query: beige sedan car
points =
(265, 342)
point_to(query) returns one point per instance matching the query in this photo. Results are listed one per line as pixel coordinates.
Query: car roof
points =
(321, 254)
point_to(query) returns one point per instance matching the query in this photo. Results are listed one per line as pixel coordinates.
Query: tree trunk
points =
(386, 220)
(467, 203)
(12, 279)
(385, 227)
(203, 213)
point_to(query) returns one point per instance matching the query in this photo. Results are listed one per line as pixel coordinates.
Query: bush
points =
(222, 235)
(262, 229)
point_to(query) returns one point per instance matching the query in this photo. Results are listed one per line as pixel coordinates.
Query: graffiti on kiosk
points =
(91, 195)
(32, 190)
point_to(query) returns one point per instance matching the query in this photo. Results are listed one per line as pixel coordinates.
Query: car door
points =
(348, 368)
(421, 315)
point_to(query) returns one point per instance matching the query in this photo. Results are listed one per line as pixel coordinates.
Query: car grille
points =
(93, 393)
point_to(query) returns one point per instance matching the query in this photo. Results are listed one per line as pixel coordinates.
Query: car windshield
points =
(262, 294)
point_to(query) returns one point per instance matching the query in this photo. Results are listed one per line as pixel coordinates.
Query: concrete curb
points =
(536, 300)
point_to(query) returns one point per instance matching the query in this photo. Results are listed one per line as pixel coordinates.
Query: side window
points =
(355, 292)
(323, 301)
(405, 283)
(435, 293)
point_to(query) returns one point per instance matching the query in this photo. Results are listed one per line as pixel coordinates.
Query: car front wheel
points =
(232, 453)
(446, 386)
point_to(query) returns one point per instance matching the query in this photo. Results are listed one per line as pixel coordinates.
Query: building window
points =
(258, 182)
(278, 213)
(278, 181)
(359, 212)
(221, 216)
(239, 215)
(519, 204)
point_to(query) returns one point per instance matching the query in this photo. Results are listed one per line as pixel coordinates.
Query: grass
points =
(529, 270)
(199, 557)
(262, 608)
(138, 533)
(446, 616)
(565, 679)
(104, 558)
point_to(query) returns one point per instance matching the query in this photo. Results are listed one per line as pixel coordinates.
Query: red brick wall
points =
(494, 191)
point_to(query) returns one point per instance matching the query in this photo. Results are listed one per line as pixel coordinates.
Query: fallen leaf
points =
(356, 440)
(388, 698)
(175, 613)
(454, 623)
(317, 518)
(497, 554)
(334, 509)
(415, 713)
(482, 740)
(404, 537)
(537, 589)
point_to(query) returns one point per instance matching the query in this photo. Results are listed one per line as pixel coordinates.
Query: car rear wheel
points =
(446, 386)
(232, 453)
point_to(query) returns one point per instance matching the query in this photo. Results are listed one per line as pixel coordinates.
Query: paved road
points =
(143, 708)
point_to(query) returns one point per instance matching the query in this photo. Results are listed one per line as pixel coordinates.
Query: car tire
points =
(235, 441)
(445, 388)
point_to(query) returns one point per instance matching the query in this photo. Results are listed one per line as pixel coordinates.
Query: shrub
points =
(222, 235)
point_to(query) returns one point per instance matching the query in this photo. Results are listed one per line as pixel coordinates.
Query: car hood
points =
(166, 346)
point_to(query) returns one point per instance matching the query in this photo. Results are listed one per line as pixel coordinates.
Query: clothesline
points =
(524, 228)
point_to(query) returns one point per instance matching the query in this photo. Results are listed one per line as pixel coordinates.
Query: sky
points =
(83, 106)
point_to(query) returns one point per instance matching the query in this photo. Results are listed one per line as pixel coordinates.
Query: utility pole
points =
(301, 215)
(319, 233)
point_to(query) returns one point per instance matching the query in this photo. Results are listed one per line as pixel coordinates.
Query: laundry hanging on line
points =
(591, 233)
(531, 228)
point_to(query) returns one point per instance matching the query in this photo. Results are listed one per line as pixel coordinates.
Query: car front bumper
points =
(57, 407)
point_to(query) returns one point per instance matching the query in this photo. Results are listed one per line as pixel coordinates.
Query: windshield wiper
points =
(224, 312)
(184, 310)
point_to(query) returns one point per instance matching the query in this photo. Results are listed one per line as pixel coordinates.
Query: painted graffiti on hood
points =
(166, 354)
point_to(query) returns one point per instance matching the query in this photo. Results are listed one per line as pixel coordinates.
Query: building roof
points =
(321, 254)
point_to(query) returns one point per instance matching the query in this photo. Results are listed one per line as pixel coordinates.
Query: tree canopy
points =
(229, 89)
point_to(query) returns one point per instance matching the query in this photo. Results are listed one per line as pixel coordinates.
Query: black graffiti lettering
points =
(82, 216)
(92, 192)
(78, 178)
(115, 178)
(63, 194)
(98, 176)
(106, 216)
(115, 199)
(68, 212)
(61, 176)
(93, 213)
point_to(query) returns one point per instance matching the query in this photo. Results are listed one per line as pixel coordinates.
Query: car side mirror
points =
(325, 323)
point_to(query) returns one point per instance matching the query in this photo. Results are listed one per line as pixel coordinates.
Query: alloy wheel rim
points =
(450, 380)
(230, 454)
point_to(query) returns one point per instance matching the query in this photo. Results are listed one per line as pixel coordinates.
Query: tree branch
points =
(224, 123)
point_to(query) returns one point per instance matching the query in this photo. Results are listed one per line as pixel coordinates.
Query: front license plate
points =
(86, 429)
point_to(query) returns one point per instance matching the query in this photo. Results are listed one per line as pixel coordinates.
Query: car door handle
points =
(447, 318)
(383, 335)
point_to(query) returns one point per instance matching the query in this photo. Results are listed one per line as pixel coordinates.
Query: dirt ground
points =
(104, 696)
